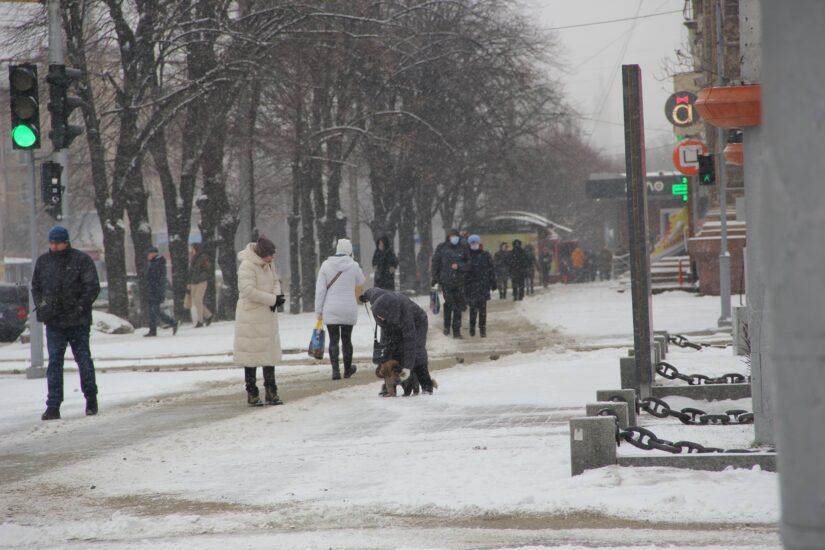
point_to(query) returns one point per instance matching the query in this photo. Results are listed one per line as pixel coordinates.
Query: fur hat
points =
(58, 234)
(152, 249)
(264, 247)
(344, 246)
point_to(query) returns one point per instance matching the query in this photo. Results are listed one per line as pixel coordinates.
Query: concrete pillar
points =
(592, 443)
(792, 220)
(757, 203)
(629, 397)
(740, 330)
(621, 409)
(629, 374)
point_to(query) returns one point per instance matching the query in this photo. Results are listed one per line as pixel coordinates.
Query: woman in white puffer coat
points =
(340, 282)
(257, 341)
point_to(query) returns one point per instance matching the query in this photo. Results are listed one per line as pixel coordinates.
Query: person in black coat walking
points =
(451, 260)
(481, 279)
(519, 267)
(384, 263)
(64, 285)
(403, 331)
(502, 261)
(156, 293)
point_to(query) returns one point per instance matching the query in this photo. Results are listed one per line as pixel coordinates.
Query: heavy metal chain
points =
(689, 415)
(681, 341)
(645, 439)
(666, 370)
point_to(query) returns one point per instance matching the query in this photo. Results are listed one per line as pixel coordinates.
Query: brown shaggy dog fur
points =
(394, 375)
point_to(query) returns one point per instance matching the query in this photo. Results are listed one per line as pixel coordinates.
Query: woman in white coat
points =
(257, 341)
(340, 282)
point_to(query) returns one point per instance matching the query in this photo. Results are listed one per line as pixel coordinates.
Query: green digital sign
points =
(681, 189)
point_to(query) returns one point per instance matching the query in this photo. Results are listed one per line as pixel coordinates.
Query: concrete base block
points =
(36, 372)
(657, 353)
(662, 341)
(621, 409)
(629, 397)
(629, 376)
(592, 443)
(709, 392)
(664, 336)
(741, 346)
(714, 462)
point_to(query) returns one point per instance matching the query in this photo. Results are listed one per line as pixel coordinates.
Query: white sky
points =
(594, 55)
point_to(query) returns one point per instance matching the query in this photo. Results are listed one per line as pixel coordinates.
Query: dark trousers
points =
(344, 332)
(545, 277)
(453, 307)
(478, 309)
(155, 313)
(528, 284)
(56, 341)
(250, 377)
(501, 283)
(518, 287)
(422, 371)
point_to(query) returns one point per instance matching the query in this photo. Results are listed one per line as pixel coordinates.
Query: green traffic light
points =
(23, 136)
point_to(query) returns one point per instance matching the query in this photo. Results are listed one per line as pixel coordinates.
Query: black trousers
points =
(518, 287)
(501, 283)
(478, 309)
(344, 333)
(250, 377)
(528, 283)
(453, 307)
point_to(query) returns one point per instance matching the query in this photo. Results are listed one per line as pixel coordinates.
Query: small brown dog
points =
(394, 375)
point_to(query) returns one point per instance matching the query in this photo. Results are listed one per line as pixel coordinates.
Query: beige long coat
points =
(257, 341)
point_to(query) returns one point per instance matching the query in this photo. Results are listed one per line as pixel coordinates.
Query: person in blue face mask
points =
(450, 263)
(481, 279)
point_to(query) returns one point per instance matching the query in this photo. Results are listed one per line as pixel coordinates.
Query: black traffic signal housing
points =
(61, 105)
(707, 170)
(51, 189)
(25, 106)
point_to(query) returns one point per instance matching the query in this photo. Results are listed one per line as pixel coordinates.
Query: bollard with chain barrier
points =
(666, 370)
(689, 415)
(644, 439)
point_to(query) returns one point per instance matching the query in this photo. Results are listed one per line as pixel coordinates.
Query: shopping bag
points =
(380, 351)
(435, 301)
(187, 298)
(316, 342)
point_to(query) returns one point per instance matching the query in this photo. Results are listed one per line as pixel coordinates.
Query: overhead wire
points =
(594, 23)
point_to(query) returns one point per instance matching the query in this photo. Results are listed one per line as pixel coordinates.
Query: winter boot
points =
(472, 330)
(175, 327)
(482, 332)
(209, 319)
(336, 372)
(150, 333)
(199, 325)
(252, 395)
(349, 370)
(271, 397)
(91, 405)
(271, 393)
(52, 413)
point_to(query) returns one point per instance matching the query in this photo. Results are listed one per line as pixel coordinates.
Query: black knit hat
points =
(264, 247)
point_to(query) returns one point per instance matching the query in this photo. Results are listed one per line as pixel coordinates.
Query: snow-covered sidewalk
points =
(340, 468)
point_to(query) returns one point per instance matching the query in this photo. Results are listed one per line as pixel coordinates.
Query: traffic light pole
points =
(724, 254)
(57, 57)
(35, 369)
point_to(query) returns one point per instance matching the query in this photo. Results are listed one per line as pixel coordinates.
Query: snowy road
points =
(175, 460)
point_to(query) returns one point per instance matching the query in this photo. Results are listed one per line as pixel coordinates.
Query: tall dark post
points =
(634, 145)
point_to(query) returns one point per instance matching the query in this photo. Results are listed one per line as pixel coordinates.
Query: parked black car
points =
(14, 311)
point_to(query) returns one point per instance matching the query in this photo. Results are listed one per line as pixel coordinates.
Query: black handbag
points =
(380, 351)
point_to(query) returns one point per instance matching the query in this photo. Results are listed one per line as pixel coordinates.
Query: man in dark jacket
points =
(403, 330)
(451, 260)
(502, 261)
(64, 286)
(481, 279)
(384, 264)
(519, 265)
(156, 293)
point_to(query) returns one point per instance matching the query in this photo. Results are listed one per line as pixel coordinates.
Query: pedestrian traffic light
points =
(61, 105)
(51, 189)
(25, 108)
(707, 170)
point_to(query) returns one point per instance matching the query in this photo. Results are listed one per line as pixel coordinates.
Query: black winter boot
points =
(271, 393)
(52, 413)
(336, 371)
(253, 396)
(254, 399)
(91, 405)
(349, 370)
